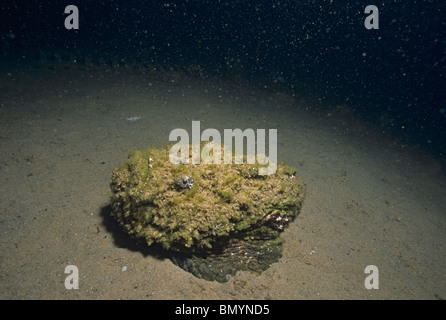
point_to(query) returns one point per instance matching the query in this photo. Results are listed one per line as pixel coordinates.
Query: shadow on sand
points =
(123, 240)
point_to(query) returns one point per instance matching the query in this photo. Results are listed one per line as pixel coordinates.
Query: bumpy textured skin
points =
(203, 209)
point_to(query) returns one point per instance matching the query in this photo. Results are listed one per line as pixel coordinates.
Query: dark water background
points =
(393, 77)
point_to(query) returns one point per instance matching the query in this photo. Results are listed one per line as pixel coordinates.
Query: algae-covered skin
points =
(197, 207)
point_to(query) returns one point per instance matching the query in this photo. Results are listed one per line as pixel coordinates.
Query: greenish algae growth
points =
(212, 219)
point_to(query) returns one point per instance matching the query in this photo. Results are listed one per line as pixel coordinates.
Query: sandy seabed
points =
(370, 200)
